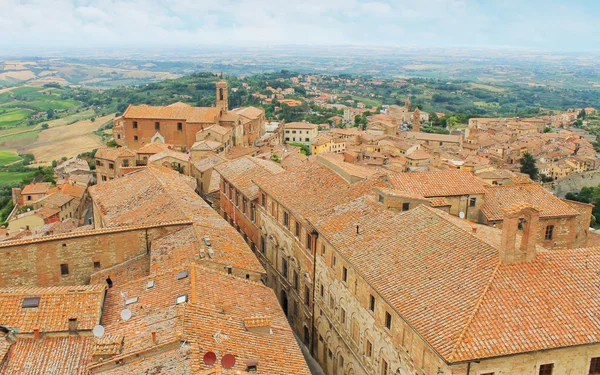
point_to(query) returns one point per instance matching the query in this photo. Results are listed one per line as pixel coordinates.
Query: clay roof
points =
(206, 145)
(328, 189)
(158, 194)
(57, 199)
(418, 155)
(72, 190)
(169, 154)
(56, 306)
(249, 112)
(153, 148)
(497, 198)
(36, 188)
(438, 183)
(113, 153)
(48, 355)
(242, 171)
(173, 112)
(201, 321)
(300, 125)
(453, 289)
(209, 160)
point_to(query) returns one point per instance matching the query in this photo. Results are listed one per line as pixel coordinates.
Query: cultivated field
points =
(7, 157)
(69, 141)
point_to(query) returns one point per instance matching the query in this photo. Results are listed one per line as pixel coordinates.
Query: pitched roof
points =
(153, 148)
(36, 188)
(327, 188)
(169, 154)
(56, 306)
(300, 125)
(113, 153)
(438, 183)
(72, 190)
(57, 199)
(240, 173)
(201, 321)
(497, 198)
(158, 194)
(209, 160)
(249, 112)
(173, 112)
(48, 356)
(453, 289)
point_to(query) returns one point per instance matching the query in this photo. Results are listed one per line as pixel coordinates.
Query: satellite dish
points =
(126, 314)
(228, 361)
(461, 215)
(98, 331)
(210, 358)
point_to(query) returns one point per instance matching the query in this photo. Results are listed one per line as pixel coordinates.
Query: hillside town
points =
(218, 240)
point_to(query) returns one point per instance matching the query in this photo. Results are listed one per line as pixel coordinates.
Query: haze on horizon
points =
(552, 25)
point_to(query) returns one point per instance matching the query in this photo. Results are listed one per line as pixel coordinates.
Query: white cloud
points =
(546, 24)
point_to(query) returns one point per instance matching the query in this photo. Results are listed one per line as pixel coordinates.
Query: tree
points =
(528, 165)
(581, 114)
(50, 113)
(45, 126)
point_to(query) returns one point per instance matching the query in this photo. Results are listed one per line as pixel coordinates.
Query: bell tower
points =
(222, 101)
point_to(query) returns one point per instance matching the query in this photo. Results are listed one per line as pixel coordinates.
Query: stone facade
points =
(71, 259)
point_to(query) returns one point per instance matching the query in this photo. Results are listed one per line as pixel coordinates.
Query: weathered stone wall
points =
(567, 361)
(38, 262)
(574, 183)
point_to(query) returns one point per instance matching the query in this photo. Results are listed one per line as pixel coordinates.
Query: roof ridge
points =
(475, 311)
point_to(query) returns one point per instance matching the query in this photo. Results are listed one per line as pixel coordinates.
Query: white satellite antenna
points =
(126, 314)
(461, 215)
(98, 331)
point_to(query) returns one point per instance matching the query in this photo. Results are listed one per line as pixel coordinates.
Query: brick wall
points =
(38, 262)
(146, 129)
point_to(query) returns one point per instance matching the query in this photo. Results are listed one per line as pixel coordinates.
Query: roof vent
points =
(129, 301)
(182, 275)
(150, 284)
(206, 240)
(211, 252)
(181, 299)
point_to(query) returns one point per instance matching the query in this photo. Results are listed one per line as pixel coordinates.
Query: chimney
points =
(154, 340)
(474, 229)
(36, 332)
(508, 249)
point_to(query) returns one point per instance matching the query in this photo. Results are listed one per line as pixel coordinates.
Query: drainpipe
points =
(468, 368)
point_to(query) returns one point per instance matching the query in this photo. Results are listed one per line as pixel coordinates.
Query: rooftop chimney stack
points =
(154, 339)
(508, 249)
(36, 333)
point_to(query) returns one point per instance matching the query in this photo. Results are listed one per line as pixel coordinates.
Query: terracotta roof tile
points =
(240, 173)
(438, 183)
(38, 188)
(498, 198)
(173, 112)
(55, 307)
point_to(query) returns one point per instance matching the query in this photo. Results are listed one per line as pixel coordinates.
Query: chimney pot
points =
(474, 229)
(226, 307)
(154, 340)
(36, 333)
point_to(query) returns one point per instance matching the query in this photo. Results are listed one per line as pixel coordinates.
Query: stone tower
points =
(416, 120)
(407, 104)
(222, 101)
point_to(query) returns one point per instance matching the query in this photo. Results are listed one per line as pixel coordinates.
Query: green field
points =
(25, 90)
(368, 102)
(13, 177)
(7, 157)
(13, 116)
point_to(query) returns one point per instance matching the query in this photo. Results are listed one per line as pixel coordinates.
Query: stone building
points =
(177, 124)
(423, 292)
(239, 199)
(563, 224)
(111, 161)
(300, 132)
(460, 190)
(287, 243)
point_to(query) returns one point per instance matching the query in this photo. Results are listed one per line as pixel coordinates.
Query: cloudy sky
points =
(569, 25)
